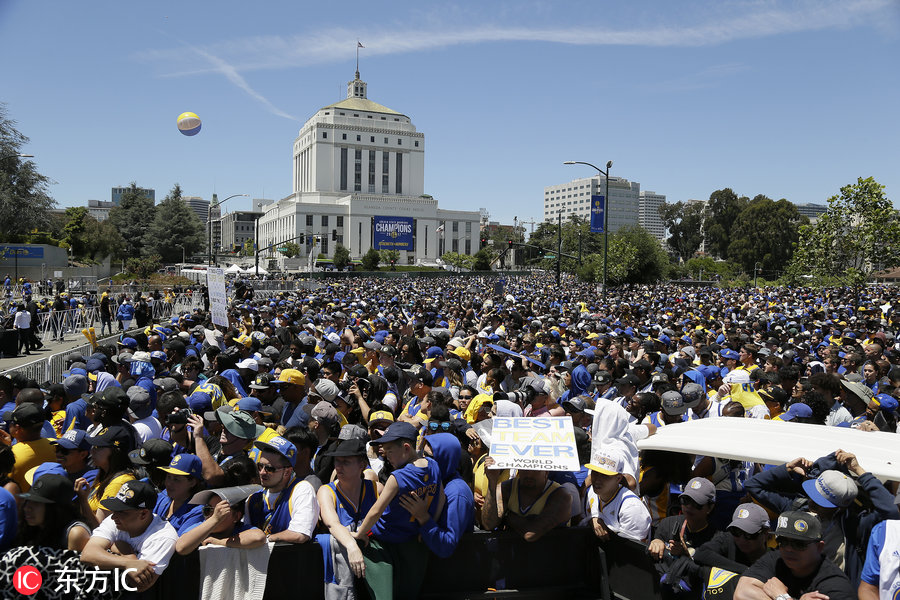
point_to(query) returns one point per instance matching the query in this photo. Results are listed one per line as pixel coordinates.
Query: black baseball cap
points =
(25, 415)
(798, 525)
(50, 489)
(262, 382)
(420, 374)
(154, 452)
(133, 495)
(114, 436)
(354, 447)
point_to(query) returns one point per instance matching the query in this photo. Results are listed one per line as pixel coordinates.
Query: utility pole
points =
(559, 243)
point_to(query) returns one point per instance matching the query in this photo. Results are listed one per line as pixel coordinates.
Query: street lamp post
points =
(212, 205)
(256, 238)
(755, 272)
(605, 213)
(558, 243)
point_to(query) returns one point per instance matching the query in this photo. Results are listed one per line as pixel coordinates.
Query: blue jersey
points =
(350, 514)
(396, 524)
(186, 517)
(274, 517)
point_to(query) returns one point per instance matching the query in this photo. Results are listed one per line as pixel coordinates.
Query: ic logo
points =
(27, 580)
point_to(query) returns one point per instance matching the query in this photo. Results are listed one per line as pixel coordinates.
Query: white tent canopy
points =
(233, 269)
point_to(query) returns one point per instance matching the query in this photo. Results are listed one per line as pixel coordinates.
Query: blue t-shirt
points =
(187, 515)
(871, 572)
(75, 416)
(396, 524)
(9, 519)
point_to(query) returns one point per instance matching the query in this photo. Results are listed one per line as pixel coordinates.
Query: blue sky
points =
(787, 99)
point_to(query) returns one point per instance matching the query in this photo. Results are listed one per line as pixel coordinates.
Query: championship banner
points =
(392, 233)
(23, 251)
(598, 207)
(218, 303)
(534, 443)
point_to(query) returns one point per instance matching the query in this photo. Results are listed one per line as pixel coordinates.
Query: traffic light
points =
(510, 244)
(302, 239)
(483, 242)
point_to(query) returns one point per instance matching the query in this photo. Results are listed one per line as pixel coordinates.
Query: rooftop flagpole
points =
(358, 46)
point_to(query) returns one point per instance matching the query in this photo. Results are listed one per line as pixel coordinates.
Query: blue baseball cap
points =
(74, 439)
(250, 404)
(729, 354)
(185, 464)
(885, 402)
(35, 473)
(399, 431)
(797, 409)
(281, 446)
(128, 342)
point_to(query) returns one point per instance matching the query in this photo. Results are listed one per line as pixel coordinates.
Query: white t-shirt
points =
(147, 428)
(304, 508)
(155, 545)
(838, 415)
(625, 515)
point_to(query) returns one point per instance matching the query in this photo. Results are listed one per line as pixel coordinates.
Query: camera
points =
(180, 417)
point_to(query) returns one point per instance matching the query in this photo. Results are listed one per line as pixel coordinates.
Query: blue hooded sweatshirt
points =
(458, 516)
(697, 377)
(581, 380)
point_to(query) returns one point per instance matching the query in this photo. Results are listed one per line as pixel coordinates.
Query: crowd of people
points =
(349, 416)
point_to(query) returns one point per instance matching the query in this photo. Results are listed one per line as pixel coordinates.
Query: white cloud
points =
(759, 19)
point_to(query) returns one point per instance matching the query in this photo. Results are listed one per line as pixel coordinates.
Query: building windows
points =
(357, 177)
(385, 140)
(372, 139)
(371, 171)
(417, 144)
(385, 167)
(359, 138)
(324, 220)
(340, 220)
(324, 135)
(455, 245)
(468, 230)
(399, 176)
(343, 168)
(399, 142)
(455, 226)
(468, 244)
(309, 220)
(343, 136)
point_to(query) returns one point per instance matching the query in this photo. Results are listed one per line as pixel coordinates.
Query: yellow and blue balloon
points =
(188, 123)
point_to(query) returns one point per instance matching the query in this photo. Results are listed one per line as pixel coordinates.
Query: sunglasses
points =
(466, 397)
(209, 510)
(740, 533)
(436, 425)
(269, 468)
(62, 451)
(792, 544)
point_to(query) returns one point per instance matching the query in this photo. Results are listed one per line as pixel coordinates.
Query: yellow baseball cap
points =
(292, 376)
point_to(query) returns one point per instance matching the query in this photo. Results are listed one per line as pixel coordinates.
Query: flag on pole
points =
(359, 44)
(598, 206)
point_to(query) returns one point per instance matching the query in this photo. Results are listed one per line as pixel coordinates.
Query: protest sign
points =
(218, 303)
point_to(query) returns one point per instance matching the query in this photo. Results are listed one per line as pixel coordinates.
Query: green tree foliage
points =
(764, 234)
(73, 232)
(143, 267)
(24, 198)
(652, 262)
(855, 237)
(461, 261)
(248, 249)
(722, 211)
(102, 239)
(684, 222)
(483, 260)
(707, 268)
(132, 218)
(370, 260)
(341, 257)
(389, 257)
(174, 225)
(291, 249)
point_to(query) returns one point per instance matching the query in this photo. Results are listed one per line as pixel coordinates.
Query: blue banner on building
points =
(23, 251)
(393, 233)
(598, 207)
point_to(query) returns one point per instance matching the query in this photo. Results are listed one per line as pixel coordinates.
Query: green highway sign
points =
(282, 249)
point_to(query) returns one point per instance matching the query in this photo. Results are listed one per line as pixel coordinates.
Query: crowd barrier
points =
(568, 564)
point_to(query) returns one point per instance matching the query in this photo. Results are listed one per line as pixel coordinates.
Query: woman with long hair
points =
(109, 451)
(49, 518)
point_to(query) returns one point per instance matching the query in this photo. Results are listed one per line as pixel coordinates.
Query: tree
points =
(483, 260)
(341, 257)
(174, 225)
(143, 267)
(389, 257)
(460, 261)
(684, 222)
(102, 239)
(24, 199)
(651, 261)
(290, 249)
(248, 249)
(764, 235)
(854, 237)
(132, 219)
(73, 232)
(370, 260)
(722, 211)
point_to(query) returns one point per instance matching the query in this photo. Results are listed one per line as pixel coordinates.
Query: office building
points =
(358, 179)
(117, 192)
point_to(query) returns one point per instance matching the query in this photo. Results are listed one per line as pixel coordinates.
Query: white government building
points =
(628, 204)
(358, 164)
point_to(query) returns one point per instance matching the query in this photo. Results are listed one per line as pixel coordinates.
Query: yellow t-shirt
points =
(29, 455)
(111, 490)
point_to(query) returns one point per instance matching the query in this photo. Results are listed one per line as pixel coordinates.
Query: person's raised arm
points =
(212, 472)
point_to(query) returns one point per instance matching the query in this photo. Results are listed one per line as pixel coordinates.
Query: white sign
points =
(534, 443)
(218, 303)
(57, 274)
